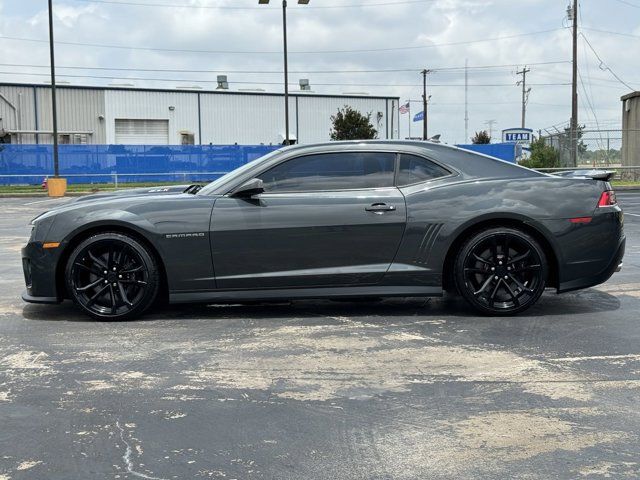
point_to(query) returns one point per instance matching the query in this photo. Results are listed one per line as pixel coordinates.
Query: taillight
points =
(607, 199)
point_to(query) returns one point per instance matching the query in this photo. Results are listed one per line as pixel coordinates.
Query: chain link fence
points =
(601, 148)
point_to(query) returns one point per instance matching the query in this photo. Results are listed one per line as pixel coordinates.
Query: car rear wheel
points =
(112, 276)
(501, 271)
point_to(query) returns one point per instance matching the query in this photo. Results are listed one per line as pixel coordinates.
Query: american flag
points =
(404, 108)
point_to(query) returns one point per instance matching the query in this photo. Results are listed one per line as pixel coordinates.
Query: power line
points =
(258, 52)
(603, 66)
(226, 7)
(623, 34)
(628, 3)
(587, 94)
(181, 70)
(599, 81)
(107, 77)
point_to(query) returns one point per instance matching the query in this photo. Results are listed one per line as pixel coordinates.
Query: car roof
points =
(382, 144)
(471, 165)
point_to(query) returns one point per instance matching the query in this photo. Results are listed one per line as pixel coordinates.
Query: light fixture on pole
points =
(286, 63)
(56, 186)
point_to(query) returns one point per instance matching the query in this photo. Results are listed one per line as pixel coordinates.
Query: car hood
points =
(121, 199)
(135, 192)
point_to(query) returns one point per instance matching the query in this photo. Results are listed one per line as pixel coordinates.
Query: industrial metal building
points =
(631, 129)
(135, 116)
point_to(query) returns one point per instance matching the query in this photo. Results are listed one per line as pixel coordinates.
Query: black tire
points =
(112, 276)
(501, 271)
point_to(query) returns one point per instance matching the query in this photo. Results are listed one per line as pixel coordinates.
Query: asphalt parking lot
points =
(321, 390)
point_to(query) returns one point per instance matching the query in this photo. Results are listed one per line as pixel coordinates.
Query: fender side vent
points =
(430, 234)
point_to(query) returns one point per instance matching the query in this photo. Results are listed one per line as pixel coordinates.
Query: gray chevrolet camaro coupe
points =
(335, 220)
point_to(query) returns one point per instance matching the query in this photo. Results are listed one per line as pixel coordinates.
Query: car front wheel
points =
(501, 271)
(112, 276)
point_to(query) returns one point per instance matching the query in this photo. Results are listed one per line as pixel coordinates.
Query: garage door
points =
(142, 132)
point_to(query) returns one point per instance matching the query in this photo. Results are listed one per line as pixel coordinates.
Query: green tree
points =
(350, 124)
(542, 156)
(582, 147)
(481, 137)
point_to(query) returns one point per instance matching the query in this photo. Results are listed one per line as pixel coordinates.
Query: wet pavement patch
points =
(404, 388)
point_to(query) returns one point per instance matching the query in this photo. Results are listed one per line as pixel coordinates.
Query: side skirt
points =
(303, 293)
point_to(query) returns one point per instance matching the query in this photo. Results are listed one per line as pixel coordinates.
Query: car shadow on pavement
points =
(448, 306)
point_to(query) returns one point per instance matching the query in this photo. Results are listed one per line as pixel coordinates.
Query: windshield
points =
(211, 187)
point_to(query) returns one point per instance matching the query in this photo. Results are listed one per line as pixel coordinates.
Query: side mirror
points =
(249, 188)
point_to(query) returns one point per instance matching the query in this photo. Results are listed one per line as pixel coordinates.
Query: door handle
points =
(380, 208)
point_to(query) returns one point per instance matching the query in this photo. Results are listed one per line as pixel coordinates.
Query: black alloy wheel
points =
(501, 271)
(111, 276)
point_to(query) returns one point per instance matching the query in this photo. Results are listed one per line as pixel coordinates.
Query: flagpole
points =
(409, 105)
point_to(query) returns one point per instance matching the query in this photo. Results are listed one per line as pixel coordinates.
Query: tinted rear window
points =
(414, 169)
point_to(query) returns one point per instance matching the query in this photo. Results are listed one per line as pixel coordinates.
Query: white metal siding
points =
(315, 113)
(23, 117)
(245, 119)
(141, 132)
(179, 109)
(226, 117)
(79, 110)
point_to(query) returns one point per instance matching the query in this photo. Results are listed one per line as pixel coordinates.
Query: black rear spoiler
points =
(604, 175)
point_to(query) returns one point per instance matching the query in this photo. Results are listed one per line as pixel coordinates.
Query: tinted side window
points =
(331, 171)
(415, 169)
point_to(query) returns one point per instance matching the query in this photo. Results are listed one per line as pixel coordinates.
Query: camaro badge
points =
(184, 235)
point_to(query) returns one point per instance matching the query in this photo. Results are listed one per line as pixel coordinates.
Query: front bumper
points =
(31, 299)
(39, 267)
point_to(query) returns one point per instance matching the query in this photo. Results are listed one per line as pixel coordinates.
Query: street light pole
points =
(56, 166)
(286, 73)
(287, 141)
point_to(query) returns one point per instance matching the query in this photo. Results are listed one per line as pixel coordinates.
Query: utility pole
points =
(56, 165)
(574, 88)
(466, 100)
(424, 72)
(525, 92)
(490, 124)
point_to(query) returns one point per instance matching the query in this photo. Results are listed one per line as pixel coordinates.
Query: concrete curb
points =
(42, 195)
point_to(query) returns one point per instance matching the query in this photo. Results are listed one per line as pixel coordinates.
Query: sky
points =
(373, 46)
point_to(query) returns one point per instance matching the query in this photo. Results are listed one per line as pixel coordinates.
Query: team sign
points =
(516, 135)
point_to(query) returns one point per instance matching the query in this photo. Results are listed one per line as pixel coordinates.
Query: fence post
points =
(115, 179)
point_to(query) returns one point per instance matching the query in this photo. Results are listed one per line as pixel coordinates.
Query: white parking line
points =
(632, 214)
(42, 201)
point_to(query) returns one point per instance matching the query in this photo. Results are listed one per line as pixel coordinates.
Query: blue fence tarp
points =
(30, 164)
(503, 151)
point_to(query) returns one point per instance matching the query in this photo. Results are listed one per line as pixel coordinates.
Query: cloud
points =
(318, 29)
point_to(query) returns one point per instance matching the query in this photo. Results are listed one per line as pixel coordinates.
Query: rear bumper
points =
(615, 265)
